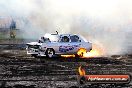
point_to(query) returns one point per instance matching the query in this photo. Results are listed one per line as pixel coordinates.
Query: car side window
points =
(74, 38)
(65, 39)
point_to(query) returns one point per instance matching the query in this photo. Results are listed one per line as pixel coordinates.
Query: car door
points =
(75, 42)
(64, 45)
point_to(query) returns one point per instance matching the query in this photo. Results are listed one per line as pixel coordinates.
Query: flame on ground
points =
(67, 56)
(81, 71)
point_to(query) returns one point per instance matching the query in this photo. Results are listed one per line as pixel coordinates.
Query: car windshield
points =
(44, 40)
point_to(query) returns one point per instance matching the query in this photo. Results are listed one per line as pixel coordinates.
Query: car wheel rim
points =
(50, 53)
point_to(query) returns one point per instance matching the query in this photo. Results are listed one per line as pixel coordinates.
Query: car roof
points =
(51, 36)
(67, 34)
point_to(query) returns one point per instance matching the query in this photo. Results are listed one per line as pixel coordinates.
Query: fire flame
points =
(92, 53)
(67, 56)
(95, 52)
(82, 52)
(81, 71)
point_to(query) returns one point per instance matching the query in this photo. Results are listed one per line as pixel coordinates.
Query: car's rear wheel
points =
(81, 52)
(50, 52)
(77, 56)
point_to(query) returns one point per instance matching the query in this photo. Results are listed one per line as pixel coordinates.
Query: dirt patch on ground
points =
(19, 70)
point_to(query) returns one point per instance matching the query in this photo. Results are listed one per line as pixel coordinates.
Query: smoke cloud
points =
(106, 23)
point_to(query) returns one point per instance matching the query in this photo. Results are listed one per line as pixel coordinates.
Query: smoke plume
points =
(106, 23)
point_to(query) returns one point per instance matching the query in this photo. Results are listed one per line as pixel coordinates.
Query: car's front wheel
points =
(50, 52)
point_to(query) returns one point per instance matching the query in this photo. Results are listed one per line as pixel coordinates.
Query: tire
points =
(50, 52)
(78, 56)
(81, 52)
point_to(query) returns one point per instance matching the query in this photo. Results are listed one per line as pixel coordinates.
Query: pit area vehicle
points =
(58, 44)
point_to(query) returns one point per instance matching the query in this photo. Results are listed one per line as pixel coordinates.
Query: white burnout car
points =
(58, 44)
